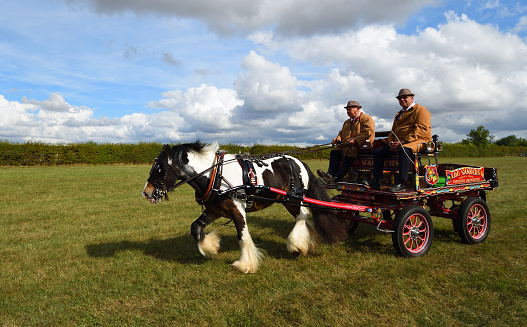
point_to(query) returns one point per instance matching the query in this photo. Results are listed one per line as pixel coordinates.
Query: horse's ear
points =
(166, 150)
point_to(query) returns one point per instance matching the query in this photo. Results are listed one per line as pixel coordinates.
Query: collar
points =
(409, 107)
(352, 120)
(402, 111)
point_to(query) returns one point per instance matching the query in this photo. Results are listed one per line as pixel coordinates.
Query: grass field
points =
(80, 247)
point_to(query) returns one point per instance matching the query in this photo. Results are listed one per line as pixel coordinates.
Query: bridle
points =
(160, 191)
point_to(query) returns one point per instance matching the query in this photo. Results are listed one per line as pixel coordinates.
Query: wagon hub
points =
(476, 222)
(414, 233)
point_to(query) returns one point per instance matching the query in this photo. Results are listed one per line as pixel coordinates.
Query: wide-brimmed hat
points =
(353, 104)
(405, 92)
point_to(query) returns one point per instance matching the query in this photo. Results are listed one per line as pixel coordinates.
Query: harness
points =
(246, 191)
(249, 179)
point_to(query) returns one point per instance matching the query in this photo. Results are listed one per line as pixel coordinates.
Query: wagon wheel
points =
(413, 232)
(473, 221)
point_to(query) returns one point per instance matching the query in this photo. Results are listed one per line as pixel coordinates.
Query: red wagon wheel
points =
(473, 221)
(413, 232)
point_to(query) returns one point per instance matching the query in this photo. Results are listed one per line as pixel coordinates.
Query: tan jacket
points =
(362, 129)
(412, 128)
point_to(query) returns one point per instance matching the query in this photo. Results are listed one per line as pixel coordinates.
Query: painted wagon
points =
(449, 190)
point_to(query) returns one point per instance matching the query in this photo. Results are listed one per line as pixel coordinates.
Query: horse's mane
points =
(202, 150)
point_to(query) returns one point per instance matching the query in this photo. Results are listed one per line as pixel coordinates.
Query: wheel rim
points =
(415, 233)
(477, 221)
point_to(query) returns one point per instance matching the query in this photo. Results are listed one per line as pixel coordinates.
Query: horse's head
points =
(162, 176)
(169, 166)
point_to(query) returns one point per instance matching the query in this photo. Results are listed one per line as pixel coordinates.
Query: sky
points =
(256, 72)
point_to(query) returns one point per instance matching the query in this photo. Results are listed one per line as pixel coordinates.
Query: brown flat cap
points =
(353, 104)
(404, 92)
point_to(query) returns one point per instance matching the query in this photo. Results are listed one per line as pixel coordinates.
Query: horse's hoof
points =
(246, 269)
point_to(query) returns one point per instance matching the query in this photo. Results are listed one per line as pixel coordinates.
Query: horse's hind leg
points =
(208, 245)
(303, 238)
(250, 255)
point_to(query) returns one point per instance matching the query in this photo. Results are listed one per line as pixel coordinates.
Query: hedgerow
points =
(91, 153)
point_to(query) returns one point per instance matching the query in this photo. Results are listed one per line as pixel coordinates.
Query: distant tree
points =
(479, 137)
(512, 140)
(508, 140)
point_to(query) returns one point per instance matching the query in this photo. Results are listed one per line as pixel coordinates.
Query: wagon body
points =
(452, 191)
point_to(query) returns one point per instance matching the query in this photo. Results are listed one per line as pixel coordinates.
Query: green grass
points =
(80, 247)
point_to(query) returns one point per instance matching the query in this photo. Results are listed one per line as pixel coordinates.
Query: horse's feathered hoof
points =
(210, 245)
(245, 268)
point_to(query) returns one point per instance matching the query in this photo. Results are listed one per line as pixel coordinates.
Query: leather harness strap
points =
(249, 179)
(215, 178)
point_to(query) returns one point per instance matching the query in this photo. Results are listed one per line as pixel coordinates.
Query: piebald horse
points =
(215, 177)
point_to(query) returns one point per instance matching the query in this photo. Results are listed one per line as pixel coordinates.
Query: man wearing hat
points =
(410, 128)
(355, 132)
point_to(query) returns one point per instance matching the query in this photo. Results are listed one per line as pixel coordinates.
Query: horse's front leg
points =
(250, 255)
(209, 244)
(303, 238)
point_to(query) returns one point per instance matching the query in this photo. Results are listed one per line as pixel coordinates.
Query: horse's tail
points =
(327, 224)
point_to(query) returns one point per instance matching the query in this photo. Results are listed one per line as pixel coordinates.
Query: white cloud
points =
(266, 87)
(204, 109)
(55, 103)
(297, 17)
(521, 26)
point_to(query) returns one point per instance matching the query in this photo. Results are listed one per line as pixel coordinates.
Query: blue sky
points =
(255, 71)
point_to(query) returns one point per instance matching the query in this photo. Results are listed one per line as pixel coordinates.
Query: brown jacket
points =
(362, 129)
(413, 127)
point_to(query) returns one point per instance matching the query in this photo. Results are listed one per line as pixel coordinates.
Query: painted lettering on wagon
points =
(388, 163)
(464, 175)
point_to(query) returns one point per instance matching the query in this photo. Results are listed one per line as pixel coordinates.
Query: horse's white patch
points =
(201, 161)
(144, 188)
(169, 161)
